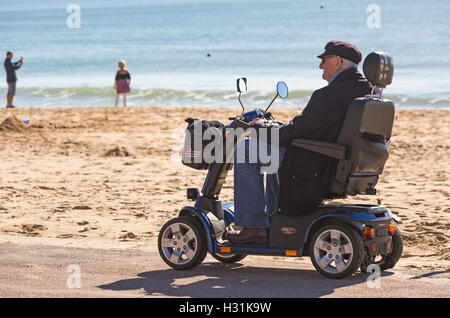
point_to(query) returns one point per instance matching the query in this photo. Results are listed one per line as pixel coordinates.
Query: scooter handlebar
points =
(242, 124)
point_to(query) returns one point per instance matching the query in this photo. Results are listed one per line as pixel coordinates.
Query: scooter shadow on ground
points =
(431, 274)
(216, 280)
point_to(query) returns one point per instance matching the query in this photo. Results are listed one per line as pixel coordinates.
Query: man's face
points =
(9, 56)
(330, 64)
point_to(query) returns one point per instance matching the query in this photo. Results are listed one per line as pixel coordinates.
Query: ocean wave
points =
(151, 93)
(104, 96)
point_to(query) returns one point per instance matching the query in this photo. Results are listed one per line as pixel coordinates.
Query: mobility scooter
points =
(338, 238)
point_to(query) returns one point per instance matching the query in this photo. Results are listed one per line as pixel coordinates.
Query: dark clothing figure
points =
(11, 78)
(120, 76)
(305, 176)
(11, 70)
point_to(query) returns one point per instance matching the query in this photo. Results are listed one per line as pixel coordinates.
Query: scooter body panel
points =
(288, 235)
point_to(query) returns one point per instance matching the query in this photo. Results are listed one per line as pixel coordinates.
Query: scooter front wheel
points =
(181, 243)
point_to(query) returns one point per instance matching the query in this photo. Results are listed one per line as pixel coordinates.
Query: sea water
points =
(190, 52)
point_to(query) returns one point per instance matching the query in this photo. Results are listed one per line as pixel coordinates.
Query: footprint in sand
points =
(430, 223)
(87, 229)
(32, 229)
(46, 188)
(64, 236)
(128, 235)
(82, 207)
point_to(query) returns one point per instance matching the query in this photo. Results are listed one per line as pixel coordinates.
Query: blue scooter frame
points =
(357, 216)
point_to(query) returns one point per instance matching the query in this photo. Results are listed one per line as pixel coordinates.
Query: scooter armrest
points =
(329, 149)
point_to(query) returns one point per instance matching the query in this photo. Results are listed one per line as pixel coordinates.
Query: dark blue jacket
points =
(305, 176)
(11, 70)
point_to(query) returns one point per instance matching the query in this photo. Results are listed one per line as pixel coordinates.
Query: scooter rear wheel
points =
(230, 258)
(392, 258)
(336, 251)
(181, 243)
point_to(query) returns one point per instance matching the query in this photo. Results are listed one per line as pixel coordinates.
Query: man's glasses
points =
(324, 58)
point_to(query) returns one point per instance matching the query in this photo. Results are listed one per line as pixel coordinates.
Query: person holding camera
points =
(11, 77)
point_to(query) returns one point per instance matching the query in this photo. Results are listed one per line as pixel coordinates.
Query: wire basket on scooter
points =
(199, 134)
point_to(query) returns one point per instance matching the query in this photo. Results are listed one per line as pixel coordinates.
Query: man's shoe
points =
(231, 229)
(10, 106)
(248, 235)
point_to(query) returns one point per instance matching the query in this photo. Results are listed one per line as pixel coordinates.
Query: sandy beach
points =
(106, 177)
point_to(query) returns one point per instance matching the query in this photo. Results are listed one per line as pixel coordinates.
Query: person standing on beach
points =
(122, 84)
(11, 77)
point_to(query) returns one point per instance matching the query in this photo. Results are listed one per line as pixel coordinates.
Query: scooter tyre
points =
(196, 248)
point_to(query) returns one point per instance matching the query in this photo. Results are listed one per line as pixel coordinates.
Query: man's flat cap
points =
(343, 49)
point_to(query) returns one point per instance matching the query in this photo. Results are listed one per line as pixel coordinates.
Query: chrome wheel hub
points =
(179, 243)
(333, 251)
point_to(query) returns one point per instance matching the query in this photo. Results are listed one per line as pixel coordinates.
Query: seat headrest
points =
(379, 69)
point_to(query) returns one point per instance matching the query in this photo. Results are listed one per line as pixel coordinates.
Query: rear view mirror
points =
(282, 90)
(241, 84)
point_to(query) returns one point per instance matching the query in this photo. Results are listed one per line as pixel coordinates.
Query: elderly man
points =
(11, 77)
(304, 176)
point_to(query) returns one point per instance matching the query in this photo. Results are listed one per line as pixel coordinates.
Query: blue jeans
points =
(253, 205)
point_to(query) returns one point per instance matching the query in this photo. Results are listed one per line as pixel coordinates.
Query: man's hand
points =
(256, 121)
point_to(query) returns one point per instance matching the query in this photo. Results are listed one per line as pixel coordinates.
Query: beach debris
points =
(13, 124)
(118, 152)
